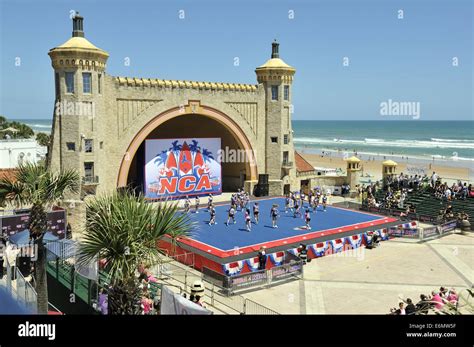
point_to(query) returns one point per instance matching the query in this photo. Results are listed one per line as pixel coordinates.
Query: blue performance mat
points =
(227, 238)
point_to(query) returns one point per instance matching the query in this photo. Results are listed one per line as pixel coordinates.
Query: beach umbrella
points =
(13, 130)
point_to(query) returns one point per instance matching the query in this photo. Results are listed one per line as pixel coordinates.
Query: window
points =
(285, 158)
(86, 82)
(88, 145)
(101, 144)
(71, 146)
(285, 139)
(89, 171)
(274, 139)
(69, 82)
(56, 83)
(286, 92)
(274, 92)
(99, 81)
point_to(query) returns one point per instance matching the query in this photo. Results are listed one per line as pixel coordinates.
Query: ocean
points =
(449, 143)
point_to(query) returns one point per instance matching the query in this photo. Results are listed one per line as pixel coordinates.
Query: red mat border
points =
(288, 240)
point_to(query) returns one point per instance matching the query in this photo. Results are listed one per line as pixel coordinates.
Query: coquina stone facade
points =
(98, 127)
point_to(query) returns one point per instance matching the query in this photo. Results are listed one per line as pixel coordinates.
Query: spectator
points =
(423, 305)
(437, 300)
(399, 311)
(410, 309)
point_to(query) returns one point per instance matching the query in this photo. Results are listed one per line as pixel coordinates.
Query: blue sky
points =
(403, 60)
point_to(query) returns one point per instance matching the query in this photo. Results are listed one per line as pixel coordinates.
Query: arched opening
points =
(238, 163)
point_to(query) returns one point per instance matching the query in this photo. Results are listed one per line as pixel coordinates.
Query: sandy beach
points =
(374, 167)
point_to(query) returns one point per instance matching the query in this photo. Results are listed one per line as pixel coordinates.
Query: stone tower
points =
(389, 169)
(79, 71)
(353, 173)
(277, 78)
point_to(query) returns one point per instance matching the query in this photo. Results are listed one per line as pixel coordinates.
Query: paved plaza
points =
(371, 281)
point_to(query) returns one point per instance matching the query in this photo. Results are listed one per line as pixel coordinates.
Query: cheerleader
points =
(212, 212)
(297, 211)
(231, 215)
(187, 204)
(307, 216)
(197, 204)
(287, 203)
(248, 221)
(325, 200)
(209, 201)
(256, 210)
(274, 215)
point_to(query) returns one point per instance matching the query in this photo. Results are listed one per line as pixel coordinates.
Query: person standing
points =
(262, 259)
(256, 211)
(197, 204)
(325, 200)
(303, 253)
(212, 212)
(231, 215)
(209, 201)
(308, 219)
(187, 204)
(248, 220)
(274, 216)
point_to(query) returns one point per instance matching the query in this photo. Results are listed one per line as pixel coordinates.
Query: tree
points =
(43, 139)
(124, 230)
(33, 185)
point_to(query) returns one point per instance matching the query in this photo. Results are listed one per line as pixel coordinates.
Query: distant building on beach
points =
(14, 152)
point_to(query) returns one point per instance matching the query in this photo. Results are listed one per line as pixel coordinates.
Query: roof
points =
(389, 163)
(9, 174)
(275, 63)
(302, 165)
(79, 43)
(353, 159)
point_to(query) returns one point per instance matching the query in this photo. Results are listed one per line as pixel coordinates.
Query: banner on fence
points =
(449, 226)
(248, 279)
(287, 270)
(172, 303)
(430, 231)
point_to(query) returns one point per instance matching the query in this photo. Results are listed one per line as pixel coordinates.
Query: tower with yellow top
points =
(353, 172)
(277, 77)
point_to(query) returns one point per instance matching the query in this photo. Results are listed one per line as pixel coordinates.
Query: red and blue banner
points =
(253, 264)
(320, 248)
(338, 244)
(180, 167)
(234, 268)
(277, 258)
(355, 240)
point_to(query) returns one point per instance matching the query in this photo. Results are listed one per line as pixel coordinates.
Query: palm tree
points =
(124, 230)
(33, 185)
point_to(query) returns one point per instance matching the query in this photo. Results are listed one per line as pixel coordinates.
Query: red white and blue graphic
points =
(180, 167)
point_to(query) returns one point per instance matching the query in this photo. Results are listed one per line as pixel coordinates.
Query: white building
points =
(16, 151)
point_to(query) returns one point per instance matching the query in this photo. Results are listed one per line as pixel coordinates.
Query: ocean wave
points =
(434, 139)
(38, 125)
(395, 143)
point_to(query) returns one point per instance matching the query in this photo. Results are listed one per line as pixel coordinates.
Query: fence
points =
(20, 288)
(175, 274)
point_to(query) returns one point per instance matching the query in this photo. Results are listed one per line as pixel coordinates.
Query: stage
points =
(217, 246)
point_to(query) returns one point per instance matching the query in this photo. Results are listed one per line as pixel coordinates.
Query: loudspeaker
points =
(261, 190)
(263, 179)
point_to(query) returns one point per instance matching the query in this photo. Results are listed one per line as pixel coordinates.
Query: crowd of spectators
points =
(434, 303)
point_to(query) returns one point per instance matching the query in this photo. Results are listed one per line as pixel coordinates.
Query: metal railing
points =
(20, 288)
(217, 296)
